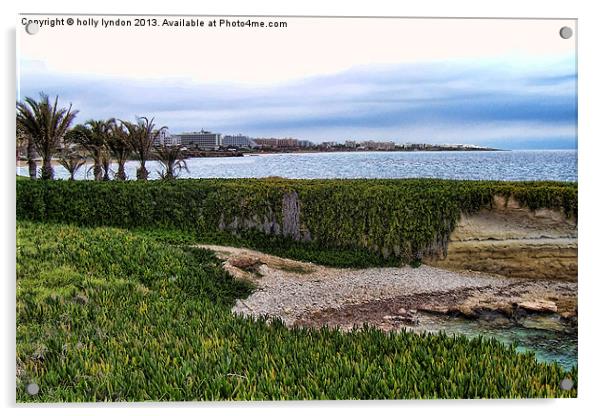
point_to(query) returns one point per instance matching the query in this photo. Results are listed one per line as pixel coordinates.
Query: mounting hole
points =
(32, 389)
(566, 384)
(566, 32)
(32, 28)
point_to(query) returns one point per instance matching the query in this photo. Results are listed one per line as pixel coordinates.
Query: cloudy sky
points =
(503, 83)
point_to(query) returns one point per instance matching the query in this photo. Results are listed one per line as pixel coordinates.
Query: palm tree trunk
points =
(97, 172)
(120, 171)
(47, 169)
(97, 168)
(142, 173)
(105, 176)
(31, 163)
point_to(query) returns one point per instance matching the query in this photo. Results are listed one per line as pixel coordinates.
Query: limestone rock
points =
(538, 306)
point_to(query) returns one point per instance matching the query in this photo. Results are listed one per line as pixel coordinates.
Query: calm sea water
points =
(547, 337)
(514, 165)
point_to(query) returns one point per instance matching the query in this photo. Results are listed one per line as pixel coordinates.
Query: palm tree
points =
(105, 163)
(101, 130)
(92, 136)
(72, 160)
(45, 124)
(120, 147)
(142, 135)
(172, 159)
(24, 134)
(81, 136)
(23, 140)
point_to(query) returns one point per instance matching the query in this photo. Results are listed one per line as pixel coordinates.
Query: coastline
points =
(343, 150)
(393, 299)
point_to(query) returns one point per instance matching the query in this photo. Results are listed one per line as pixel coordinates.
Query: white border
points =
(590, 154)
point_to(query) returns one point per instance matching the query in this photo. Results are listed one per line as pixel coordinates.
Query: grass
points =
(275, 245)
(105, 314)
(298, 269)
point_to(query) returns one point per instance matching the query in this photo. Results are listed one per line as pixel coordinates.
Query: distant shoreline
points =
(276, 152)
(191, 153)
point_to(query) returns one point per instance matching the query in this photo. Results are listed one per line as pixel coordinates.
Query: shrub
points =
(400, 218)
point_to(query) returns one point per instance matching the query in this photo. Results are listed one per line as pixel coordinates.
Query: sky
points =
(503, 83)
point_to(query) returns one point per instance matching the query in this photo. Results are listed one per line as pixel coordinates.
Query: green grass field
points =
(105, 314)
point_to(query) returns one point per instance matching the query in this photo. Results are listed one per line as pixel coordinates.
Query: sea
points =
(515, 165)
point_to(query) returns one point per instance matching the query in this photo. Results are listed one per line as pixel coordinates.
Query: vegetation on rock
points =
(404, 219)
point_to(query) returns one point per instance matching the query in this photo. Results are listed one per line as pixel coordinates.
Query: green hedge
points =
(105, 315)
(402, 218)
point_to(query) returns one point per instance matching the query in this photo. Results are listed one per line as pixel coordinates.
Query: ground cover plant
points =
(109, 314)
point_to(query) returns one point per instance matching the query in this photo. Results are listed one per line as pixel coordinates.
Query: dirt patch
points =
(514, 301)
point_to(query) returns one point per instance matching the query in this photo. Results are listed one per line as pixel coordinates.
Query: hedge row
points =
(403, 218)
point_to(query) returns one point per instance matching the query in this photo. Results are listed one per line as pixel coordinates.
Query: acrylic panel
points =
(295, 208)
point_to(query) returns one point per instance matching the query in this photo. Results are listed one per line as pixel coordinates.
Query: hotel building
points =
(201, 140)
(238, 141)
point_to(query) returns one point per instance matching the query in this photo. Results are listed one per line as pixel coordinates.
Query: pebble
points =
(290, 296)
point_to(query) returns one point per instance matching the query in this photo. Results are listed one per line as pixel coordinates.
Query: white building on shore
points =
(164, 138)
(204, 140)
(238, 141)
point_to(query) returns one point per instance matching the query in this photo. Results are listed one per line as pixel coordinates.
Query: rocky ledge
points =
(511, 303)
(513, 241)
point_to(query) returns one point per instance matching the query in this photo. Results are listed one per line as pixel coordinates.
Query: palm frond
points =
(45, 125)
(172, 160)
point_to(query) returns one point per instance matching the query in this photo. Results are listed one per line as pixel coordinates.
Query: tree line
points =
(45, 128)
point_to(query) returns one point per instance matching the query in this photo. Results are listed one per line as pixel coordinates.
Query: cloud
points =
(515, 102)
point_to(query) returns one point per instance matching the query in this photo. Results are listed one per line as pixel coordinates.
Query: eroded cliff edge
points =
(513, 241)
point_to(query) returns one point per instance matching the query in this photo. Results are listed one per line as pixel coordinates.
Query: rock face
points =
(506, 239)
(514, 241)
(290, 214)
(288, 224)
